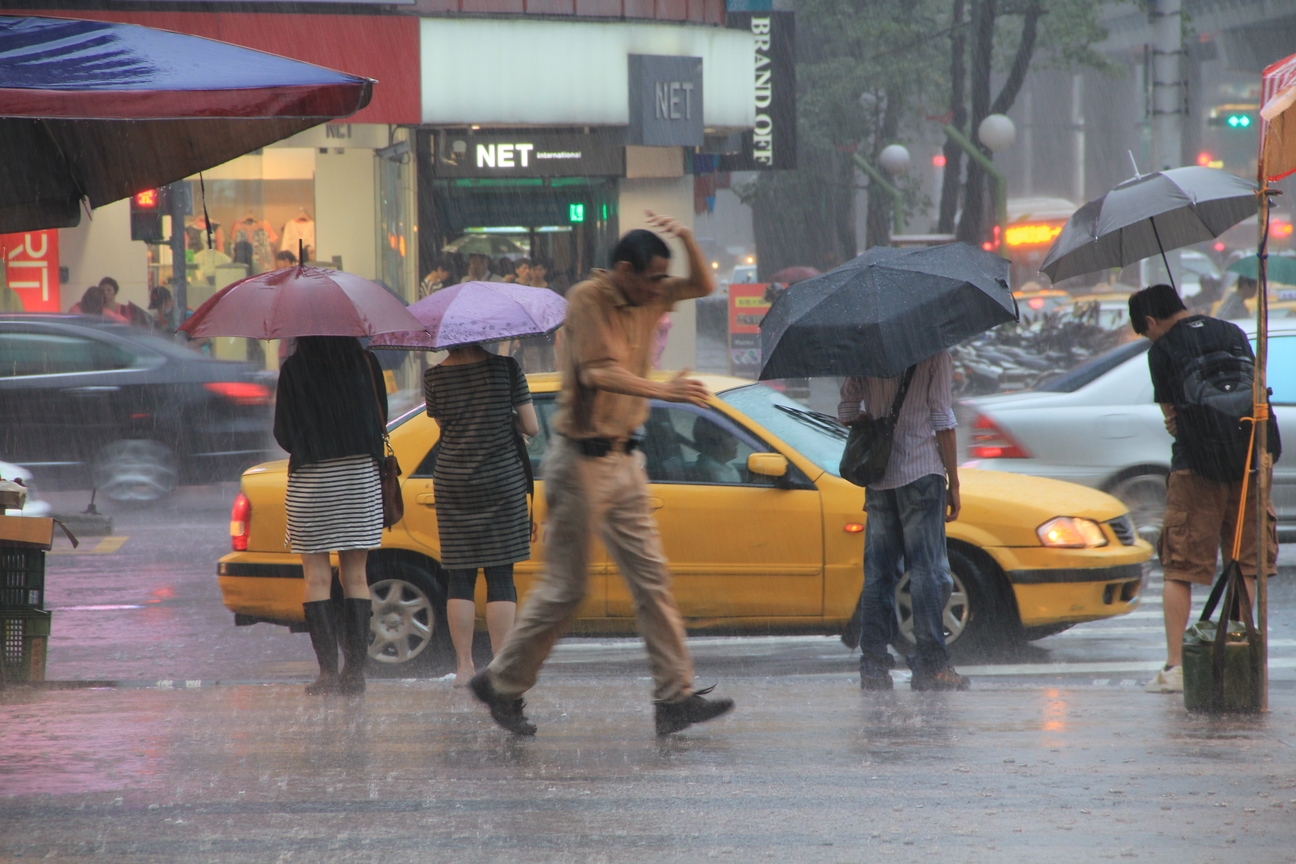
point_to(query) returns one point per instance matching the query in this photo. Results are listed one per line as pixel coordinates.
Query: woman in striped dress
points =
(479, 400)
(330, 412)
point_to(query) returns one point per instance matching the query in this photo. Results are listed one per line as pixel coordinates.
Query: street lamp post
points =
(997, 132)
(894, 160)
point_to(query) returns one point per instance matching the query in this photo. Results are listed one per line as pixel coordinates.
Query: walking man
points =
(595, 481)
(905, 530)
(1201, 512)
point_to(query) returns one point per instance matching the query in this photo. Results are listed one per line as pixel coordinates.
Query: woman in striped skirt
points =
(330, 412)
(479, 400)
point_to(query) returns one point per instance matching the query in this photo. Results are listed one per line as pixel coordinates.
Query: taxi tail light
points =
(240, 392)
(240, 522)
(991, 442)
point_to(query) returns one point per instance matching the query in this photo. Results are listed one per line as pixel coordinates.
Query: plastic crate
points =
(22, 577)
(24, 636)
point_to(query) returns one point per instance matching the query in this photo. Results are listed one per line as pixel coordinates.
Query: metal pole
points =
(1261, 413)
(1001, 182)
(179, 267)
(897, 218)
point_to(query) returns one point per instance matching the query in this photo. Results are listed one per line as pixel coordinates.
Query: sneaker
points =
(504, 711)
(674, 716)
(1168, 680)
(876, 682)
(945, 679)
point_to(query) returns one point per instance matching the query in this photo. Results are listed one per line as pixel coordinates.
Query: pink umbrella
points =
(479, 312)
(300, 301)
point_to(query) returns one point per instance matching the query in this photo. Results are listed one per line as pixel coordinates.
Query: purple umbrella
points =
(478, 312)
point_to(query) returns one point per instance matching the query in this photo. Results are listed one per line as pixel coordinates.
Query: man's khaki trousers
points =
(608, 494)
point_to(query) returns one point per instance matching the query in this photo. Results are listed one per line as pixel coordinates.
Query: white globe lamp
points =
(997, 132)
(894, 159)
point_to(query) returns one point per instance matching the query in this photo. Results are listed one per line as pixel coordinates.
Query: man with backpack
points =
(1202, 375)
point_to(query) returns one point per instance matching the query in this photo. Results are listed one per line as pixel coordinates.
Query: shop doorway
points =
(565, 224)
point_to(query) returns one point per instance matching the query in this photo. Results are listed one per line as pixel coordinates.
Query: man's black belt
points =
(597, 448)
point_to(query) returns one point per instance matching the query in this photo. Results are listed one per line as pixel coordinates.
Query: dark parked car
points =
(123, 411)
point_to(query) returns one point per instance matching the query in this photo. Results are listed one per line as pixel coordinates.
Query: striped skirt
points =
(335, 505)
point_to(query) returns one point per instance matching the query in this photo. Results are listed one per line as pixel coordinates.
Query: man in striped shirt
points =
(907, 511)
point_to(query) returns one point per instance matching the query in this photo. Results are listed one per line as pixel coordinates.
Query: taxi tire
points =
(981, 600)
(404, 593)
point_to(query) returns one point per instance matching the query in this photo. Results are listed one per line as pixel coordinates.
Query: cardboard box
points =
(29, 530)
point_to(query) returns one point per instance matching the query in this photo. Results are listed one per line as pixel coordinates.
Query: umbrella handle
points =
(1164, 260)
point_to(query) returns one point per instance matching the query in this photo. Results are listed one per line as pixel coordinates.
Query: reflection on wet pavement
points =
(807, 769)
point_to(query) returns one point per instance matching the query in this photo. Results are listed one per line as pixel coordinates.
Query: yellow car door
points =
(740, 545)
(420, 521)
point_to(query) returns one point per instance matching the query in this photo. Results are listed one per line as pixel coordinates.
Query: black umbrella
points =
(96, 111)
(1148, 215)
(885, 311)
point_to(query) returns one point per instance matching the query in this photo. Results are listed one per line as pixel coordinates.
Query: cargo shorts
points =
(1200, 516)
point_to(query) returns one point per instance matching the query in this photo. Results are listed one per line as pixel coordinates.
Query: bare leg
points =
(499, 621)
(319, 575)
(1176, 603)
(355, 584)
(461, 615)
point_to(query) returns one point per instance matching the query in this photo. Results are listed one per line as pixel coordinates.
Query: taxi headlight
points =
(1071, 532)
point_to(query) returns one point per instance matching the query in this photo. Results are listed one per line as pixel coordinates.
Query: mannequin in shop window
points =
(299, 233)
(260, 237)
(196, 237)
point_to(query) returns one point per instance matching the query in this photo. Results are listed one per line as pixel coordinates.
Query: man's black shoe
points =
(674, 716)
(945, 679)
(876, 682)
(504, 711)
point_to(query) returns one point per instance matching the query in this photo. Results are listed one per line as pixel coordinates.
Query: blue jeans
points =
(905, 531)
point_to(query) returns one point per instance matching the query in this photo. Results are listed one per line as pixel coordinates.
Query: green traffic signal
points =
(1238, 121)
(575, 212)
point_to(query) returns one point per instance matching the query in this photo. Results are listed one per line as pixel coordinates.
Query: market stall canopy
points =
(99, 111)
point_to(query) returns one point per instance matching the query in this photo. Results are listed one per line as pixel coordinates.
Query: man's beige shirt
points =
(604, 329)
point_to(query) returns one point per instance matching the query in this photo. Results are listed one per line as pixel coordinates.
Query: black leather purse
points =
(868, 447)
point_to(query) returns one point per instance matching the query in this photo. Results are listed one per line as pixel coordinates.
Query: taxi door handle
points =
(427, 499)
(656, 503)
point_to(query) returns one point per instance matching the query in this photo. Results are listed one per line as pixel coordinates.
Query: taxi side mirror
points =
(767, 464)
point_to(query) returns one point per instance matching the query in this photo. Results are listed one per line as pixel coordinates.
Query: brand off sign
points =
(31, 264)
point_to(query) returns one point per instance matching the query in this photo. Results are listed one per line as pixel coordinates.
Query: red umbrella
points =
(300, 301)
(793, 275)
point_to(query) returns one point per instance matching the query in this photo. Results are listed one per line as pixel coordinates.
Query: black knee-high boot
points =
(319, 622)
(355, 642)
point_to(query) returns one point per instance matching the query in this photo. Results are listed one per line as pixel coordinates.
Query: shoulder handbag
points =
(1222, 659)
(389, 471)
(529, 471)
(868, 446)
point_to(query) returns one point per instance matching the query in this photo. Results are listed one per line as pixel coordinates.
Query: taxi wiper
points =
(816, 419)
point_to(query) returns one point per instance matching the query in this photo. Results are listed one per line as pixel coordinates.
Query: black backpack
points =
(1216, 396)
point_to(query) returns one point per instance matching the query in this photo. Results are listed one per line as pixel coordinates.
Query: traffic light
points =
(147, 209)
(1233, 117)
(575, 212)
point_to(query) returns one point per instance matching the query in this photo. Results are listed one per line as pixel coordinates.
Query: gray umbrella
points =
(1148, 215)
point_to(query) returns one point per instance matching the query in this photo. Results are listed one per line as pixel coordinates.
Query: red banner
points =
(31, 263)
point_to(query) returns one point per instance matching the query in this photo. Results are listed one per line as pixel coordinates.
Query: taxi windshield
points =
(817, 436)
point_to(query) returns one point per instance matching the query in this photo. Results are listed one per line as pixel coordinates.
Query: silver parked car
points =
(1097, 425)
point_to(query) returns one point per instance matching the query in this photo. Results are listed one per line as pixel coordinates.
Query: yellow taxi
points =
(763, 536)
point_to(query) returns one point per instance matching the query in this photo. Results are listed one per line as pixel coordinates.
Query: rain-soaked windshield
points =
(815, 435)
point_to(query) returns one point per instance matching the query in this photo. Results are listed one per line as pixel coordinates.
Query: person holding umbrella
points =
(481, 402)
(595, 480)
(330, 411)
(907, 511)
(885, 322)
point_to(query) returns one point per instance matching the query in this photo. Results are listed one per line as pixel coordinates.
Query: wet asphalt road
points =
(205, 749)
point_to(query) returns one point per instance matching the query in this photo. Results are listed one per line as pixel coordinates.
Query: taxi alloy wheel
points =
(975, 603)
(408, 624)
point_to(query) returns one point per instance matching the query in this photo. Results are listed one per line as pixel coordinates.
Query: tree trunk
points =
(877, 230)
(958, 119)
(972, 226)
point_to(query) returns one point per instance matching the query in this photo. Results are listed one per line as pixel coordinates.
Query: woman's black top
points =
(328, 411)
